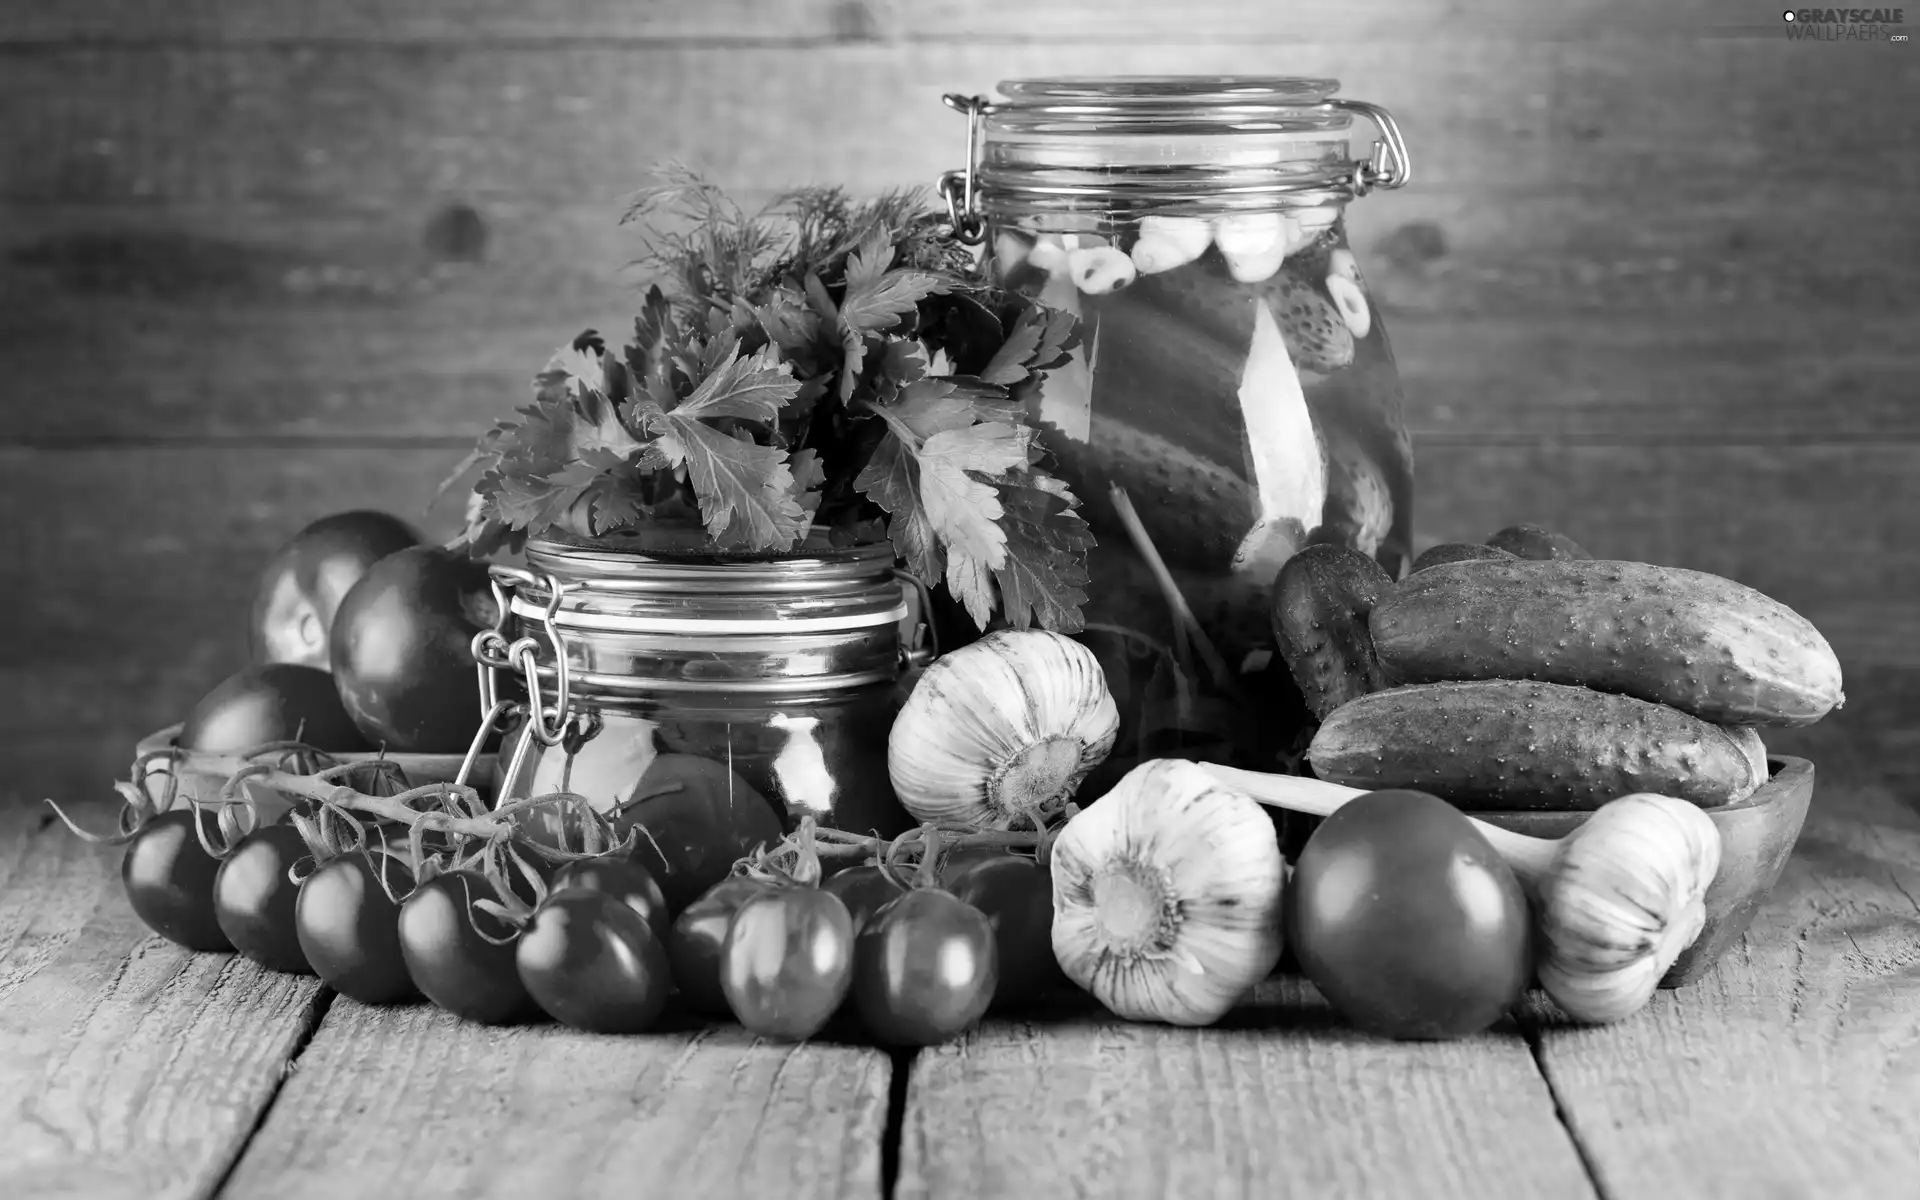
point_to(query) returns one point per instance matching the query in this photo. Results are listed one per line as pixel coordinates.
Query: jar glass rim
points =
(1213, 90)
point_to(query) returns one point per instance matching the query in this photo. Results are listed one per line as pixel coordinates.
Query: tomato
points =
(924, 968)
(274, 702)
(700, 934)
(961, 858)
(788, 961)
(302, 585)
(700, 819)
(350, 930)
(1016, 896)
(628, 882)
(254, 899)
(450, 963)
(169, 880)
(1407, 919)
(864, 890)
(592, 962)
(401, 650)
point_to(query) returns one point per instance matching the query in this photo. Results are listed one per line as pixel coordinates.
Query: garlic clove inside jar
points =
(1002, 730)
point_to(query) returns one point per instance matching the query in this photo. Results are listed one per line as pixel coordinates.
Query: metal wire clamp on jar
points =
(713, 699)
(1234, 396)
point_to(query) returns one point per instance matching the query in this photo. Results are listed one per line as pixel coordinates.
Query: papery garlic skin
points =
(1623, 898)
(1167, 896)
(1002, 729)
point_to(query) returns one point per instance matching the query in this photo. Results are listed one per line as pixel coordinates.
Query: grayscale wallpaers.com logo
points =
(1846, 24)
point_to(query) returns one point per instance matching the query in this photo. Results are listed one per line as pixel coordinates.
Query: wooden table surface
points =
(134, 1068)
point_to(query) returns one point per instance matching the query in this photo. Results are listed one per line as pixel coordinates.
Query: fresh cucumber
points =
(1702, 644)
(1532, 541)
(1321, 598)
(1514, 744)
(1447, 552)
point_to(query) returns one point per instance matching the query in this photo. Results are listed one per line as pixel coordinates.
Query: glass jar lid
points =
(633, 620)
(666, 592)
(1164, 142)
(1168, 104)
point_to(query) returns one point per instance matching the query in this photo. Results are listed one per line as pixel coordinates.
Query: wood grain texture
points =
(220, 324)
(134, 1068)
(367, 127)
(747, 21)
(1794, 1068)
(543, 1111)
(141, 585)
(1281, 1098)
(50, 884)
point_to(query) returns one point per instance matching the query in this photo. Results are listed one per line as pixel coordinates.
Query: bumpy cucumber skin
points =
(1708, 646)
(1532, 541)
(1449, 552)
(1321, 598)
(1512, 744)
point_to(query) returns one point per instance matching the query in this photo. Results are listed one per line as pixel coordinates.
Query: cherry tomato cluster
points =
(596, 945)
(915, 963)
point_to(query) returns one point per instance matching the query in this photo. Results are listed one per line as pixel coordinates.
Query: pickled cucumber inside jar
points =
(1233, 397)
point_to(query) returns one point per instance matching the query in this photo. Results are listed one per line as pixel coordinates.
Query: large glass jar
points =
(712, 700)
(1233, 397)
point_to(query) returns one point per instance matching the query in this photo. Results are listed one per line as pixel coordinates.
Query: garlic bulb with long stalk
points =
(1166, 896)
(1002, 730)
(1616, 900)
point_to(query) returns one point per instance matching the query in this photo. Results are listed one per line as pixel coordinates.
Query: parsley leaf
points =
(939, 403)
(953, 497)
(809, 477)
(891, 479)
(787, 320)
(1040, 339)
(877, 298)
(746, 491)
(655, 341)
(753, 386)
(1044, 579)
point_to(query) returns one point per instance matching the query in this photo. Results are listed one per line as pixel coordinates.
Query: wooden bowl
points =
(1756, 836)
(420, 768)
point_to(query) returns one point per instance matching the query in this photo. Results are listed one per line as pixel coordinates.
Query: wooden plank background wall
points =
(1658, 282)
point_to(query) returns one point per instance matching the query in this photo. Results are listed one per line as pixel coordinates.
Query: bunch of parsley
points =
(823, 363)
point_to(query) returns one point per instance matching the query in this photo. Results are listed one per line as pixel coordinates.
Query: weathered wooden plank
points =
(414, 1102)
(134, 1068)
(117, 325)
(372, 127)
(1794, 1069)
(136, 596)
(49, 886)
(1280, 1099)
(240, 21)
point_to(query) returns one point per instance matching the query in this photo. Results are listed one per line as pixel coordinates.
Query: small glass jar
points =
(1233, 396)
(713, 699)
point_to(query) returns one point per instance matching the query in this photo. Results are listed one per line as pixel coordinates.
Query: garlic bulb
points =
(1000, 729)
(1615, 901)
(1622, 900)
(1166, 896)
